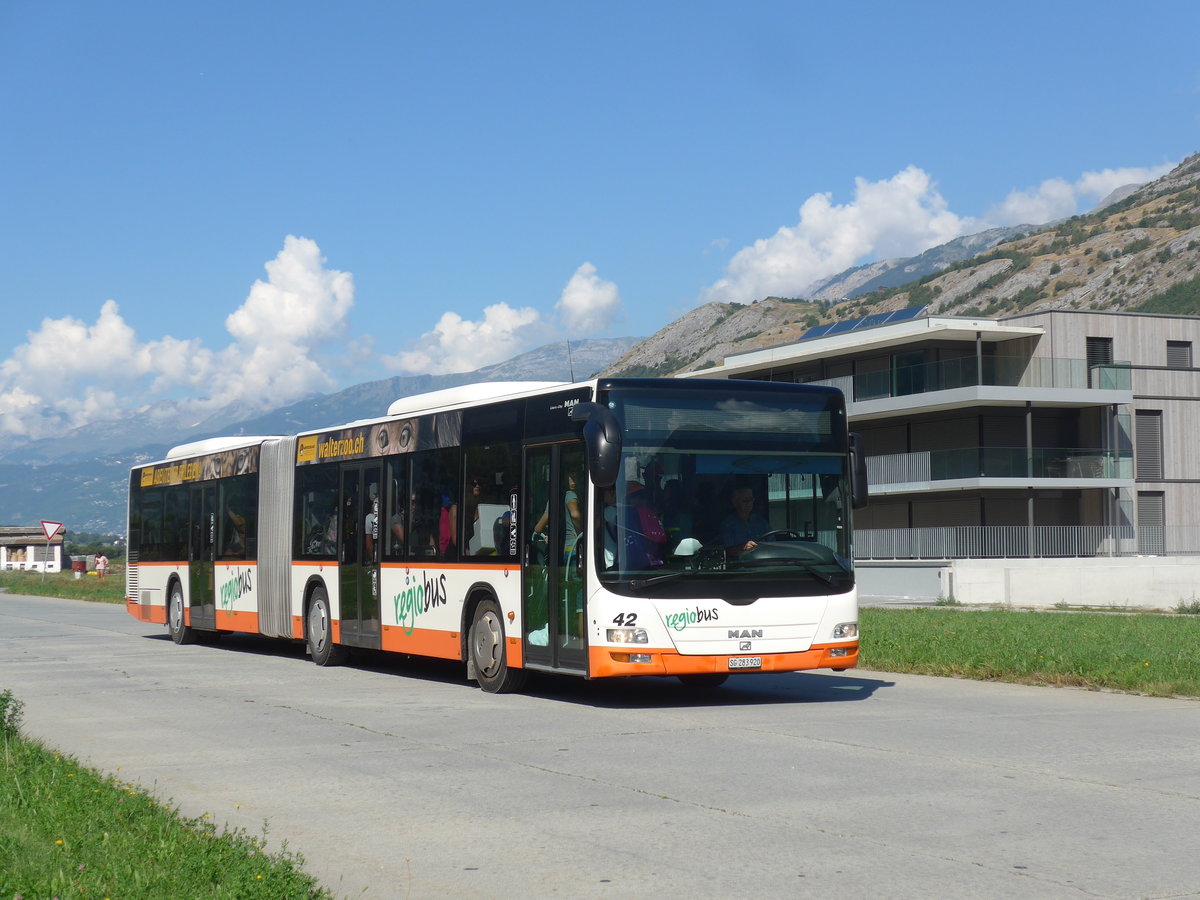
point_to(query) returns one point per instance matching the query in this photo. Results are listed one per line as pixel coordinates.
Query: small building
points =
(22, 547)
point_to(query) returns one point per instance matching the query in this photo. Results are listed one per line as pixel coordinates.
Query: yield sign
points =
(50, 529)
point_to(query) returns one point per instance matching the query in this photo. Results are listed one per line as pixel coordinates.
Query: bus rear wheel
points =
(318, 631)
(180, 633)
(486, 645)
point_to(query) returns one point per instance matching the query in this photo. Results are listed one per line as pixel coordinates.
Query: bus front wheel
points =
(180, 633)
(486, 645)
(318, 631)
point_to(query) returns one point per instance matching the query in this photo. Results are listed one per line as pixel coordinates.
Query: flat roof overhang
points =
(983, 395)
(880, 337)
(951, 485)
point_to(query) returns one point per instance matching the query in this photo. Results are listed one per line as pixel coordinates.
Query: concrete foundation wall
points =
(1160, 582)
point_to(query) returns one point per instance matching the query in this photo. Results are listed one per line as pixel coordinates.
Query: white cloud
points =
(1098, 185)
(588, 304)
(70, 373)
(1056, 198)
(900, 216)
(460, 345)
(302, 304)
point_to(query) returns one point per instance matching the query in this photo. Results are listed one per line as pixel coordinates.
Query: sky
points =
(251, 202)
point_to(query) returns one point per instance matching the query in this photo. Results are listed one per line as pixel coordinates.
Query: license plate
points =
(745, 662)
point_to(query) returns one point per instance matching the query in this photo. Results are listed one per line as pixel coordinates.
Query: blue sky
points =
(247, 202)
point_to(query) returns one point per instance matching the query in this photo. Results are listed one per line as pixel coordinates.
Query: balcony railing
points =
(969, 371)
(1023, 541)
(999, 462)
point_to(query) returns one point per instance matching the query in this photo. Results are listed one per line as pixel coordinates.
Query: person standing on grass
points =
(101, 565)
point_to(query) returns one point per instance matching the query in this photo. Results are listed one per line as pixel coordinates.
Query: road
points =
(396, 778)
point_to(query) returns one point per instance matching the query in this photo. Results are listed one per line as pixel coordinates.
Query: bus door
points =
(358, 553)
(554, 521)
(202, 552)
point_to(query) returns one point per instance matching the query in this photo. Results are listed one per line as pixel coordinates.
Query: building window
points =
(1179, 354)
(1148, 445)
(1152, 522)
(1099, 353)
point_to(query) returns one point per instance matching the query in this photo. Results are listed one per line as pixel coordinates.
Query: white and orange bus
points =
(618, 527)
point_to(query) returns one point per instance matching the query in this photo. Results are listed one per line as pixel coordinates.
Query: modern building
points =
(27, 548)
(1045, 435)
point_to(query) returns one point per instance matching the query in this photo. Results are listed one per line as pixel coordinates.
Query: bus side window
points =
(316, 512)
(433, 514)
(396, 508)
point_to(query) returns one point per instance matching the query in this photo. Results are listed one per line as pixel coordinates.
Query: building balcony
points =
(984, 380)
(967, 467)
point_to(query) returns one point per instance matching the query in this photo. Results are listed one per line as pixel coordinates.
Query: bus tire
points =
(318, 631)
(180, 633)
(486, 645)
(704, 680)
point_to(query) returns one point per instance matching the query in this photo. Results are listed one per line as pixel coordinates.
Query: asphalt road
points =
(396, 778)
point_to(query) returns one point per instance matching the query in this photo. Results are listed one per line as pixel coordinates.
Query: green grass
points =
(1141, 653)
(64, 584)
(66, 831)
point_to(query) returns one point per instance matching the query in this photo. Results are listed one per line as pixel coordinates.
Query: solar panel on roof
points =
(888, 318)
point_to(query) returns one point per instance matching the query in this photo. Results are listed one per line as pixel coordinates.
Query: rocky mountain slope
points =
(1139, 251)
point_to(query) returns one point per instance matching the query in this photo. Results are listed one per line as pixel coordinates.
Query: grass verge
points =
(67, 586)
(66, 831)
(1141, 653)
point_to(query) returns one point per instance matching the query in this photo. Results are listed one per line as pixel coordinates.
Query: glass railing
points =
(999, 462)
(1002, 371)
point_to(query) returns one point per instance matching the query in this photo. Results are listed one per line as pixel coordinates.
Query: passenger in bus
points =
(235, 540)
(572, 518)
(743, 525)
(645, 539)
(371, 522)
(448, 526)
(396, 527)
(474, 498)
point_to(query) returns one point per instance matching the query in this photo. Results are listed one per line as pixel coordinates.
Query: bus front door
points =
(554, 518)
(202, 552)
(358, 553)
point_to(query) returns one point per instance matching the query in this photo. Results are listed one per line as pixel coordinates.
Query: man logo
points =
(743, 646)
(745, 633)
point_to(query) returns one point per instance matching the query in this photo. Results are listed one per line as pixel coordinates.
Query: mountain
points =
(1139, 249)
(79, 478)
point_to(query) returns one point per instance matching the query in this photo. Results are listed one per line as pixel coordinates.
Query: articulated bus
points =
(618, 527)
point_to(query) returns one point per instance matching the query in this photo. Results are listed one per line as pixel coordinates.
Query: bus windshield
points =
(745, 490)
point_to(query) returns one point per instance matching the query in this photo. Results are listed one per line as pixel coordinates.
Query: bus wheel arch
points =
(318, 626)
(487, 646)
(177, 628)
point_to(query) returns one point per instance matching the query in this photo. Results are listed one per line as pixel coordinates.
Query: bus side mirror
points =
(602, 437)
(858, 471)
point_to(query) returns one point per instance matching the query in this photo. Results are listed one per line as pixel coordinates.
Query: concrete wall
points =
(1158, 582)
(903, 580)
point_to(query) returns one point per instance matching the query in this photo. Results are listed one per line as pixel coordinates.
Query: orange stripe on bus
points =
(421, 642)
(601, 663)
(144, 612)
(236, 620)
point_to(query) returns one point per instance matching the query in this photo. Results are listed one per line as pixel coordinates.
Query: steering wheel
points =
(779, 534)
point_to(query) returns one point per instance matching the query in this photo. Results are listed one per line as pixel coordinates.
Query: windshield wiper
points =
(799, 563)
(638, 583)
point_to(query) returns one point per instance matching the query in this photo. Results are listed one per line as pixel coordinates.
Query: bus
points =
(617, 527)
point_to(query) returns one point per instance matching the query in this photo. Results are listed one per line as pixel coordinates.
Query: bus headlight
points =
(627, 636)
(846, 630)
